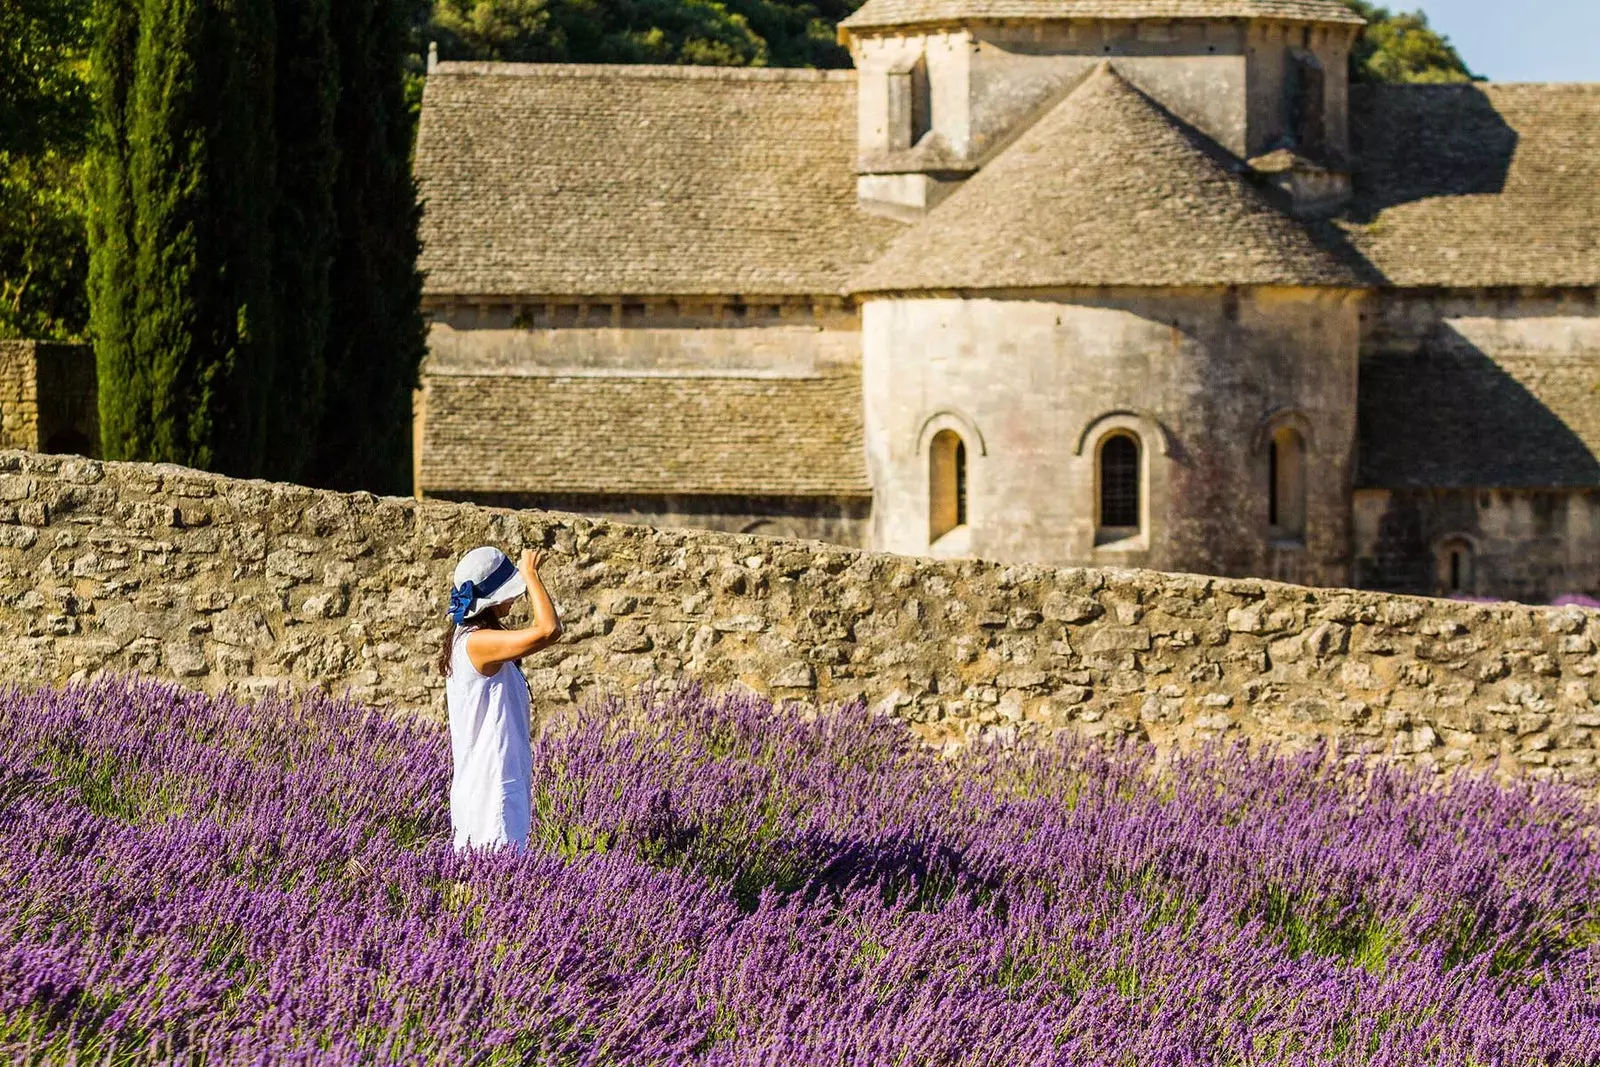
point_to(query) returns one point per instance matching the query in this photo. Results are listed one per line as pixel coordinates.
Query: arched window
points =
(1286, 484)
(1120, 496)
(1455, 566)
(947, 484)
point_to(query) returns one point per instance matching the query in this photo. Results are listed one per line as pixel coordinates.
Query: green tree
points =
(305, 105)
(1403, 48)
(44, 102)
(710, 32)
(376, 337)
(182, 307)
(44, 123)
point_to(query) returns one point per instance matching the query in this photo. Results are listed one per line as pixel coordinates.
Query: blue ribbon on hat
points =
(463, 596)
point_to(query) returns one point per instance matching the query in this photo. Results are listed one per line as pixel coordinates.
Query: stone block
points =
(1120, 638)
(1068, 608)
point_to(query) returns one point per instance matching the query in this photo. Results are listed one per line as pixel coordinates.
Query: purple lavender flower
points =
(717, 881)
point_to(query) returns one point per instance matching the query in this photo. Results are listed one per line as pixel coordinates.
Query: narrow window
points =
(1306, 100)
(1120, 503)
(947, 484)
(910, 103)
(1286, 485)
(1272, 483)
(1455, 567)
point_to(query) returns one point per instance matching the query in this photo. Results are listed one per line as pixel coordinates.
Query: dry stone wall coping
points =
(248, 585)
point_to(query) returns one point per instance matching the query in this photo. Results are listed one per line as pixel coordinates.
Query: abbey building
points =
(1135, 283)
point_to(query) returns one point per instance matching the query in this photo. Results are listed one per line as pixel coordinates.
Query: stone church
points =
(1137, 283)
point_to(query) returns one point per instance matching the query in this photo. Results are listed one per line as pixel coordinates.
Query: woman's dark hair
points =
(483, 620)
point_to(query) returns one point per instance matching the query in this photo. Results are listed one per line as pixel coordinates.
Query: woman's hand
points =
(529, 563)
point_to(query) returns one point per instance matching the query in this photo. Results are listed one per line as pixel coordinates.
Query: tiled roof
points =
(1485, 403)
(1477, 185)
(908, 12)
(768, 437)
(575, 180)
(1105, 189)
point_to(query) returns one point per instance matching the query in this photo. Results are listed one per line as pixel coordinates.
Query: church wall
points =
(685, 338)
(1532, 544)
(1528, 545)
(1396, 320)
(986, 82)
(1033, 382)
(947, 57)
(1270, 48)
(837, 520)
(780, 349)
(1197, 71)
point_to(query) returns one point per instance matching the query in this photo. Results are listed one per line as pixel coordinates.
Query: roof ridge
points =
(674, 72)
(878, 14)
(1580, 87)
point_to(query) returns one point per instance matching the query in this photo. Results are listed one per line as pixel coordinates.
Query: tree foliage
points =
(44, 101)
(1403, 48)
(182, 306)
(250, 174)
(708, 32)
(44, 123)
(306, 94)
(376, 336)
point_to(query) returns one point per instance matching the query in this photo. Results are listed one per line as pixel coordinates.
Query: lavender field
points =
(194, 880)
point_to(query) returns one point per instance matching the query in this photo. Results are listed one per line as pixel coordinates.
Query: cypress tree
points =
(182, 306)
(123, 381)
(303, 226)
(377, 337)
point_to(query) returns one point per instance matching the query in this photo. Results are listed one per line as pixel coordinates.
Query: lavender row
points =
(716, 881)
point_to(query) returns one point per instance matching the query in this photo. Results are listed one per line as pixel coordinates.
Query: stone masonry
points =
(47, 397)
(247, 585)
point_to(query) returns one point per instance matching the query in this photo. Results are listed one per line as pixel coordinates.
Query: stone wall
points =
(221, 583)
(19, 396)
(47, 397)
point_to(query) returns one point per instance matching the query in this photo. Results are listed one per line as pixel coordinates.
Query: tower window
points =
(1306, 101)
(910, 103)
(1120, 492)
(1286, 485)
(947, 484)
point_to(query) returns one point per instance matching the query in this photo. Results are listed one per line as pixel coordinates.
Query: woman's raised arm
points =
(488, 649)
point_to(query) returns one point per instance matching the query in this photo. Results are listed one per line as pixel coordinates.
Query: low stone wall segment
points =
(248, 585)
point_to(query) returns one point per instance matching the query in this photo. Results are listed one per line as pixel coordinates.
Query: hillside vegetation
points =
(715, 881)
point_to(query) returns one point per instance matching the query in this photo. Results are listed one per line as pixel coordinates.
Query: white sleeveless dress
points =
(489, 793)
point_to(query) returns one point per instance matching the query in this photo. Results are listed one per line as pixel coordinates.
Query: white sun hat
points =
(484, 577)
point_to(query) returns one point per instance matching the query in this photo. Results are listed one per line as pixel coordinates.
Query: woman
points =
(487, 695)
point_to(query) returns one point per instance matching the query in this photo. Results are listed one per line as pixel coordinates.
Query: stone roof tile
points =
(1477, 185)
(672, 435)
(574, 180)
(1484, 403)
(883, 13)
(1107, 189)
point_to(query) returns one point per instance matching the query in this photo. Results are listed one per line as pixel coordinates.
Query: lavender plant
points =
(716, 881)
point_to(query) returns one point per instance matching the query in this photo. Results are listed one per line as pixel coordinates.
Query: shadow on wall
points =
(1452, 415)
(1415, 142)
(1458, 432)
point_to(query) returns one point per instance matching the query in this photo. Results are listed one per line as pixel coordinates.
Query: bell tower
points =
(945, 85)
